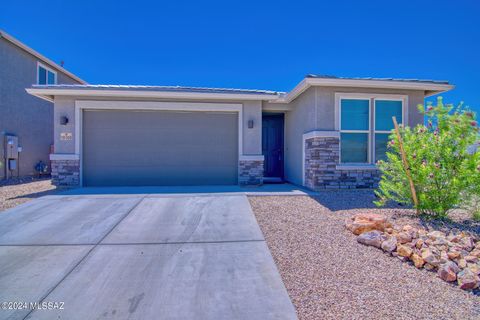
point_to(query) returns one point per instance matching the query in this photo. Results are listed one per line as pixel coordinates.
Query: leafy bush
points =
(444, 173)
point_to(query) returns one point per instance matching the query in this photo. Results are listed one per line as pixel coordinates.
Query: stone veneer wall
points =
(250, 172)
(65, 172)
(322, 155)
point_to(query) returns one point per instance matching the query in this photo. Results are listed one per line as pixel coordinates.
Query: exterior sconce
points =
(63, 121)
(250, 124)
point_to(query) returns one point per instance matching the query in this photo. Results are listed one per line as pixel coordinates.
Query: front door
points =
(272, 145)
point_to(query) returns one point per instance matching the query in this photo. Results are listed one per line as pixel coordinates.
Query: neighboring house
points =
(25, 121)
(326, 133)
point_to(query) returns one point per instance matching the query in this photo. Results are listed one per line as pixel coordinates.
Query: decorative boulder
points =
(417, 260)
(448, 271)
(404, 251)
(364, 222)
(453, 254)
(404, 237)
(390, 244)
(373, 238)
(429, 257)
(467, 280)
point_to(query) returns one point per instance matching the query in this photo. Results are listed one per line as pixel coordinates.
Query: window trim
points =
(39, 64)
(372, 97)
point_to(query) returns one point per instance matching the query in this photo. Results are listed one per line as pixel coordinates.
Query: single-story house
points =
(327, 132)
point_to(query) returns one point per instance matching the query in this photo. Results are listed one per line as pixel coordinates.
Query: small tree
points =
(442, 170)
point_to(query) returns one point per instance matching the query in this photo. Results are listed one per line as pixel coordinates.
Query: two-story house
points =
(26, 122)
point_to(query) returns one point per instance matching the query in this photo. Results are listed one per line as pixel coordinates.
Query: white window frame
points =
(39, 64)
(372, 97)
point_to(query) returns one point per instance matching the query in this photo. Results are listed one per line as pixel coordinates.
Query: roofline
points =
(429, 88)
(49, 93)
(44, 59)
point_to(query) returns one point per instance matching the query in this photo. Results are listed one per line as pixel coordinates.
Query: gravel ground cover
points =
(20, 190)
(330, 276)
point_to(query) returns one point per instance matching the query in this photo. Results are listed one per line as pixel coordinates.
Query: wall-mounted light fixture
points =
(250, 124)
(63, 120)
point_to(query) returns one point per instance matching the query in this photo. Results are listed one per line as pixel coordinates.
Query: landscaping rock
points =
(417, 260)
(462, 264)
(467, 280)
(455, 256)
(404, 237)
(434, 235)
(389, 245)
(404, 251)
(419, 244)
(429, 267)
(361, 223)
(475, 268)
(429, 257)
(471, 259)
(448, 271)
(475, 253)
(467, 243)
(373, 238)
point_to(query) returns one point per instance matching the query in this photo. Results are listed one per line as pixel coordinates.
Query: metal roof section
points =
(324, 76)
(47, 92)
(156, 88)
(39, 56)
(430, 87)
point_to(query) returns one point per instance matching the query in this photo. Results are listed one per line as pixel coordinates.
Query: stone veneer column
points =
(322, 155)
(65, 169)
(250, 170)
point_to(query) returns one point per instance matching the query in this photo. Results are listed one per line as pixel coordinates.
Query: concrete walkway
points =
(139, 256)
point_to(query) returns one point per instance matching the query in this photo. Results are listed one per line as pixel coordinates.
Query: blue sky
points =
(255, 44)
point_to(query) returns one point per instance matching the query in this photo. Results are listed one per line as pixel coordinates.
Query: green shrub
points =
(443, 172)
(476, 215)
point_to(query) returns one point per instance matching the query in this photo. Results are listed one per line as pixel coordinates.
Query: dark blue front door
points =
(272, 145)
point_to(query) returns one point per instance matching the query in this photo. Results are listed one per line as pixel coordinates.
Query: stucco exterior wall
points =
(299, 120)
(23, 115)
(252, 137)
(314, 109)
(65, 106)
(326, 104)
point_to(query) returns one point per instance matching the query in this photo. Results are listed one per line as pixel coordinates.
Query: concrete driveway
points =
(138, 256)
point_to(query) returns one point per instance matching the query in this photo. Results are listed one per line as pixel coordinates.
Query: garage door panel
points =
(159, 148)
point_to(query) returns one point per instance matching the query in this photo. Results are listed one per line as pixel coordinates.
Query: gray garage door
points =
(145, 148)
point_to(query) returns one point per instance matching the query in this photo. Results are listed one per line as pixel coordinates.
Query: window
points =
(365, 124)
(355, 127)
(46, 75)
(384, 111)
